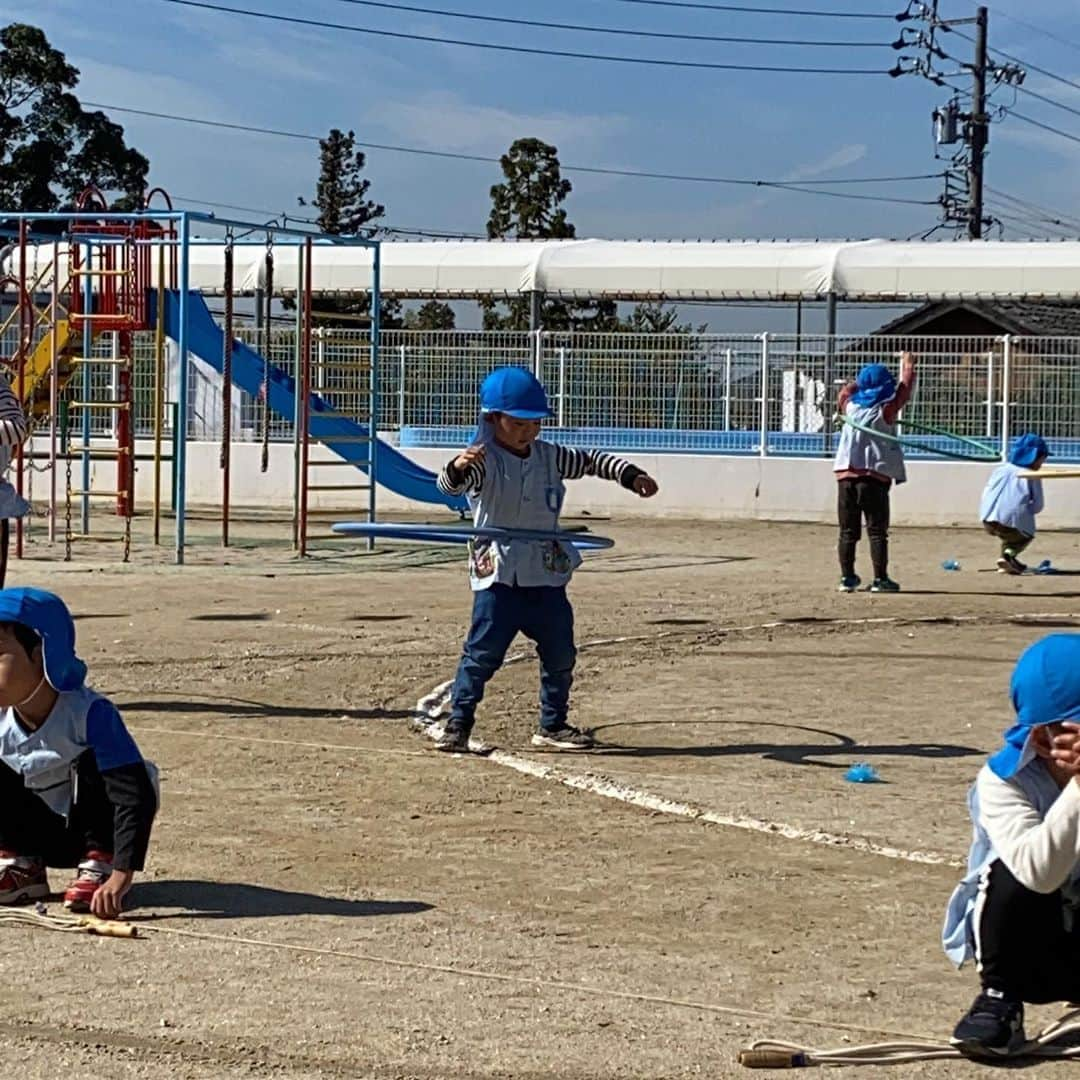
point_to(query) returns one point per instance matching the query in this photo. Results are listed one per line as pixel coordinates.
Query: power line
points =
(1036, 29)
(758, 10)
(1054, 217)
(620, 31)
(1020, 60)
(1045, 127)
(806, 186)
(1048, 100)
(321, 24)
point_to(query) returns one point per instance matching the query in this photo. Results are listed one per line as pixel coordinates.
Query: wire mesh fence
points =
(769, 394)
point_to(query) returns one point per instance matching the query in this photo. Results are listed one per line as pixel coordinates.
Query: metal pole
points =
(159, 390)
(26, 335)
(226, 394)
(376, 297)
(763, 449)
(87, 388)
(1006, 391)
(298, 401)
(180, 432)
(54, 386)
(980, 128)
(562, 386)
(830, 353)
(305, 397)
(990, 393)
(727, 390)
(401, 389)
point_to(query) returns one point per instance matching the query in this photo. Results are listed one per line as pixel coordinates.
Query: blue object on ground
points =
(950, 564)
(1044, 567)
(862, 773)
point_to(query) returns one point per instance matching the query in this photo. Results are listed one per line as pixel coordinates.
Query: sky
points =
(159, 56)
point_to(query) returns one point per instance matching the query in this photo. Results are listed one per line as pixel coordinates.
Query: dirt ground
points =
(473, 921)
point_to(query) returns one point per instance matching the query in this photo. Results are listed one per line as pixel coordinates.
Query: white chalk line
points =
(430, 708)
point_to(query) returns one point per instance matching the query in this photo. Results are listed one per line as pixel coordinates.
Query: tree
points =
(51, 148)
(527, 205)
(434, 315)
(341, 197)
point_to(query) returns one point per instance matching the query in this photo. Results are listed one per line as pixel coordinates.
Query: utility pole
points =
(962, 201)
(980, 129)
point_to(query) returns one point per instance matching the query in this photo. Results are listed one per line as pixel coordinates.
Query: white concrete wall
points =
(691, 486)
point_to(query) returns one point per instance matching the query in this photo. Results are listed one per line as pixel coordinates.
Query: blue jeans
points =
(543, 614)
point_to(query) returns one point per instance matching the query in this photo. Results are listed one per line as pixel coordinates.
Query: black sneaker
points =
(453, 740)
(1010, 564)
(564, 738)
(992, 1027)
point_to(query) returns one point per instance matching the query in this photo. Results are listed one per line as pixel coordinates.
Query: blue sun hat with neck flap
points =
(47, 615)
(1045, 688)
(515, 391)
(1027, 450)
(874, 385)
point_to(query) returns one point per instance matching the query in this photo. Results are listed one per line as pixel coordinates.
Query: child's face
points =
(516, 434)
(20, 674)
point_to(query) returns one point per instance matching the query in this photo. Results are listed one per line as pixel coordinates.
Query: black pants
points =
(1013, 541)
(860, 497)
(28, 827)
(1022, 944)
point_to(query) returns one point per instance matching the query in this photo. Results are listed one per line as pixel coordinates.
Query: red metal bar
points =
(305, 399)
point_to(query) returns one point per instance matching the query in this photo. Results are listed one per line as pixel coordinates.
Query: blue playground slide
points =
(392, 469)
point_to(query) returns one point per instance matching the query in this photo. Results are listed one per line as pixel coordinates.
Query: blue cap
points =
(874, 385)
(1045, 688)
(1027, 450)
(516, 392)
(47, 615)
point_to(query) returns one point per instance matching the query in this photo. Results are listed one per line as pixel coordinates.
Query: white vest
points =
(520, 493)
(46, 758)
(861, 450)
(957, 935)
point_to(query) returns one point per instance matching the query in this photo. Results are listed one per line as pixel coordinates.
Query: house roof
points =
(1026, 318)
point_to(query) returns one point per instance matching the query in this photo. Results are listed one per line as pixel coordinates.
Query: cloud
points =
(444, 121)
(838, 159)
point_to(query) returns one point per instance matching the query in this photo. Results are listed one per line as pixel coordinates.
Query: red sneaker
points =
(22, 879)
(94, 871)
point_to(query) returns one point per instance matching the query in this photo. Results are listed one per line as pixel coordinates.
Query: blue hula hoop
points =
(462, 534)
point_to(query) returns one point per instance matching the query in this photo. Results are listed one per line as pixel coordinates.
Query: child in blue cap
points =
(1017, 911)
(1011, 501)
(868, 462)
(515, 479)
(74, 789)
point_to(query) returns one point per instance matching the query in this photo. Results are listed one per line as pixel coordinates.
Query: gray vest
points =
(861, 450)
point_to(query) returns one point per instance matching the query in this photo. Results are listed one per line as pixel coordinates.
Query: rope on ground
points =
(1056, 1041)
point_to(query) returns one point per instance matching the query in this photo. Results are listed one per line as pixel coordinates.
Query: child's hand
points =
(645, 486)
(108, 901)
(907, 361)
(1065, 747)
(467, 457)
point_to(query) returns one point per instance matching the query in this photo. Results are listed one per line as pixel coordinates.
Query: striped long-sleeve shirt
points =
(12, 418)
(572, 464)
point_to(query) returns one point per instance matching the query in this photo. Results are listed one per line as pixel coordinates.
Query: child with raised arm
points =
(1010, 501)
(74, 789)
(1017, 911)
(514, 479)
(868, 462)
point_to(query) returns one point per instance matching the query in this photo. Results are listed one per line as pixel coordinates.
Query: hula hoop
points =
(987, 456)
(930, 429)
(455, 534)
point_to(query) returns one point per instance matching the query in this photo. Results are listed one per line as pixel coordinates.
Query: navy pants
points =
(543, 614)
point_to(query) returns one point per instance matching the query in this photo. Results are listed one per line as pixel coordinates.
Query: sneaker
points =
(94, 871)
(992, 1027)
(1010, 564)
(22, 880)
(564, 738)
(884, 584)
(453, 740)
(849, 583)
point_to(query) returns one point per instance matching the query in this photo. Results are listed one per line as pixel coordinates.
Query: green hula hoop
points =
(986, 456)
(930, 429)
